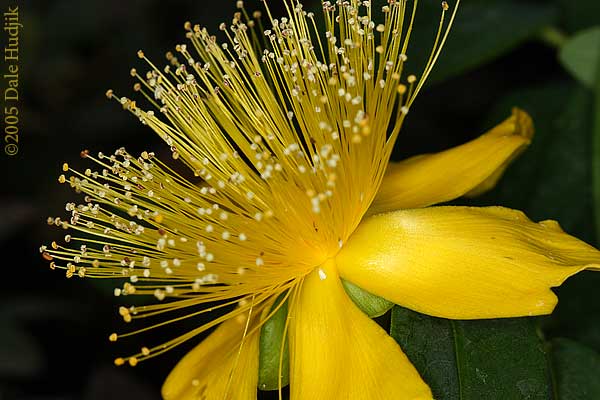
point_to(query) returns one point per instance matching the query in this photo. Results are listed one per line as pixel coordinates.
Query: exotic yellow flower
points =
(293, 190)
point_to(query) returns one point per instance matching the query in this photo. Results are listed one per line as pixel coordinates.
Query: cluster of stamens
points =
(288, 133)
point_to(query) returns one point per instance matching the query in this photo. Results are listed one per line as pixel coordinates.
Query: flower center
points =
(288, 141)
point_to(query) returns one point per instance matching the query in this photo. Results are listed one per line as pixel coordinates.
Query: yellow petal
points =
(216, 369)
(471, 168)
(337, 352)
(464, 262)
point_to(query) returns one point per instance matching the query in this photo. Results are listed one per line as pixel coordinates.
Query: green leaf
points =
(576, 370)
(372, 305)
(429, 344)
(271, 337)
(581, 55)
(484, 359)
(580, 14)
(482, 31)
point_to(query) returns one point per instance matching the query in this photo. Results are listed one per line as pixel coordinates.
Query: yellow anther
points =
(65, 167)
(140, 54)
(133, 361)
(128, 288)
(119, 361)
(113, 337)
(62, 179)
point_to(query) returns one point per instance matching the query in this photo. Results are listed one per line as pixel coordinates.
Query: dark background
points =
(53, 331)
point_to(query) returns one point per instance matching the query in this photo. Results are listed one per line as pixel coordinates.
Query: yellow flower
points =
(289, 134)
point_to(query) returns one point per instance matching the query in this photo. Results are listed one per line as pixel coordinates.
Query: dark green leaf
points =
(373, 306)
(429, 344)
(485, 359)
(271, 338)
(581, 55)
(482, 31)
(576, 370)
(580, 14)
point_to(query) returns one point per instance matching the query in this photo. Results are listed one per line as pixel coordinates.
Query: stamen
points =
(278, 137)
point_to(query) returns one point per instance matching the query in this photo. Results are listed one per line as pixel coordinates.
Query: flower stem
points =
(553, 37)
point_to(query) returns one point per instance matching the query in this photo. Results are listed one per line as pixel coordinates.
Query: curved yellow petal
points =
(471, 168)
(337, 352)
(464, 262)
(217, 369)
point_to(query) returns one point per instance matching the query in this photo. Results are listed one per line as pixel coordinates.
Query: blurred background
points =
(539, 55)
